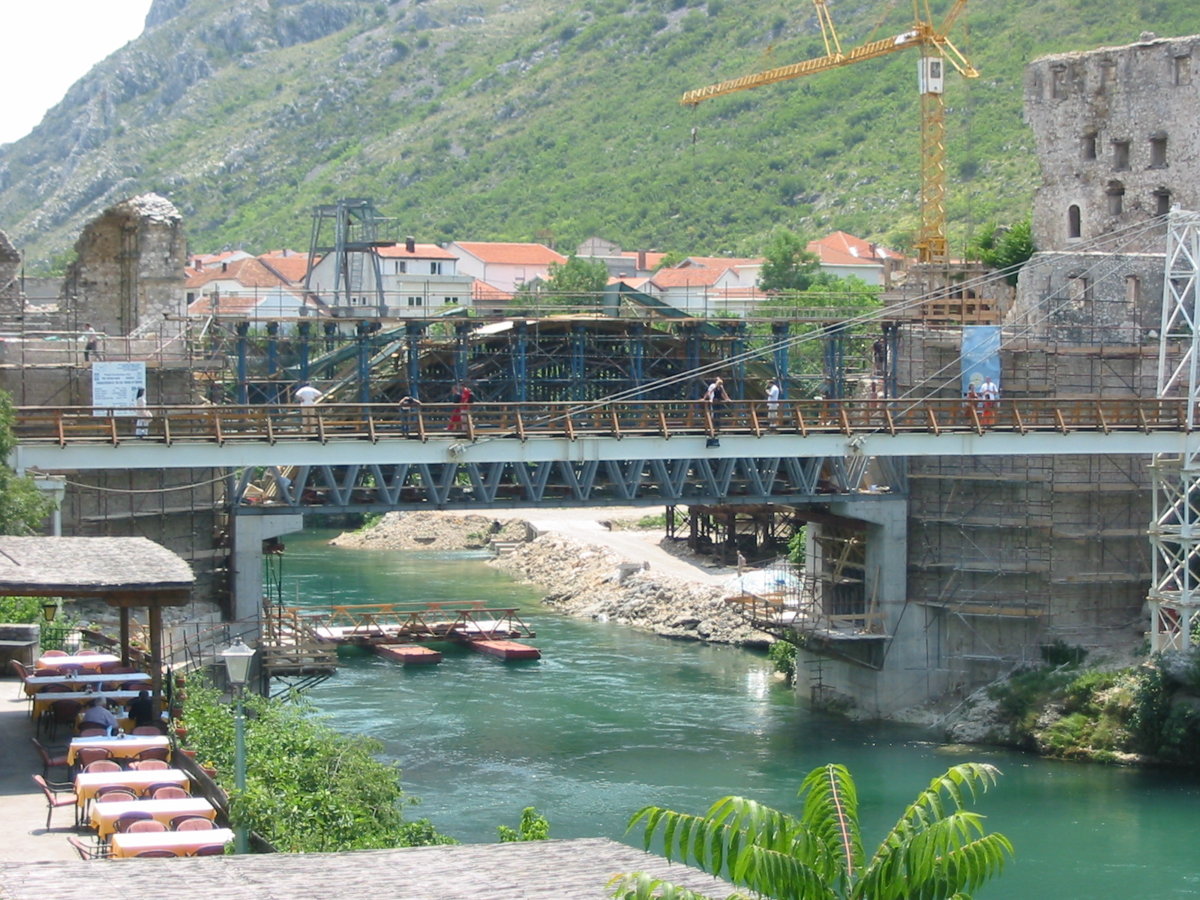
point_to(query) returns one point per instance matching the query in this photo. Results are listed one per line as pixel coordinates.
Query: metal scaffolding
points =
(1175, 527)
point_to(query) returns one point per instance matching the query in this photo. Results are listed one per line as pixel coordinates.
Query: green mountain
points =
(525, 119)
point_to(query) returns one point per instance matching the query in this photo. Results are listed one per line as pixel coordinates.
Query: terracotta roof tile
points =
(692, 276)
(849, 245)
(420, 251)
(512, 253)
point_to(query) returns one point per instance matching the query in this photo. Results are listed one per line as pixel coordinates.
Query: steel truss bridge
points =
(374, 457)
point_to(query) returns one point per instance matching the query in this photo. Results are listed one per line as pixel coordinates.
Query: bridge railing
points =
(386, 421)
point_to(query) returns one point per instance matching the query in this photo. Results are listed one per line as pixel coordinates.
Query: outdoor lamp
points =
(237, 669)
(49, 610)
(237, 663)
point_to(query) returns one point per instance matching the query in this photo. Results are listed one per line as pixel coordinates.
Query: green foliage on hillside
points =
(528, 120)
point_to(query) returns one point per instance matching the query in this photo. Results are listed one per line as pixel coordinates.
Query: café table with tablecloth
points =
(180, 842)
(43, 700)
(104, 815)
(87, 783)
(91, 661)
(126, 747)
(84, 678)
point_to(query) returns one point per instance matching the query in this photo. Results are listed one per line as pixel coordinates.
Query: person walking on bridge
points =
(989, 394)
(715, 398)
(307, 396)
(773, 392)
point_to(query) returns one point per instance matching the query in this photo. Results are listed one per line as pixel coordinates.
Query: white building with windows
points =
(407, 280)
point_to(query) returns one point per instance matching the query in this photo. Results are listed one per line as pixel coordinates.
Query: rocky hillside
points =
(523, 119)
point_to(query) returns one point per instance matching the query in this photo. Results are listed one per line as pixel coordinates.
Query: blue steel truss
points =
(467, 485)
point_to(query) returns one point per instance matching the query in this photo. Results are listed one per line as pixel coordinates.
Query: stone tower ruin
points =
(128, 272)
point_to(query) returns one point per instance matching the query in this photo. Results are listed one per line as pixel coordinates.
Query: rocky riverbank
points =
(594, 582)
(582, 578)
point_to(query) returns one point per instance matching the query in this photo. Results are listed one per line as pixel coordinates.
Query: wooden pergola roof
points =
(124, 572)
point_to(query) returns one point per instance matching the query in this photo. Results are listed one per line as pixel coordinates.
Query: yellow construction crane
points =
(935, 48)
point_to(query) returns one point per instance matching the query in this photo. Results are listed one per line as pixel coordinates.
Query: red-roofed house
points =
(843, 254)
(504, 265)
(246, 288)
(708, 285)
(290, 264)
(417, 280)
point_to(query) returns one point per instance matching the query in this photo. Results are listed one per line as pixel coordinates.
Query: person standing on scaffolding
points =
(91, 343)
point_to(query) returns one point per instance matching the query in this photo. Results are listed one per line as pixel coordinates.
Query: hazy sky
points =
(51, 44)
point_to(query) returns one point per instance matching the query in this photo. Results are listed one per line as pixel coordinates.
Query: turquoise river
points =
(611, 719)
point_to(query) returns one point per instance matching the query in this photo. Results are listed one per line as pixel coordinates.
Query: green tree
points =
(22, 505)
(938, 850)
(578, 276)
(788, 266)
(1005, 249)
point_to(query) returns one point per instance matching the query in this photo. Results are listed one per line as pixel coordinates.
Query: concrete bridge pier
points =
(876, 675)
(249, 532)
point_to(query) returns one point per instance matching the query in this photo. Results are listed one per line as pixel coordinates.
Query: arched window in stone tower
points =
(1116, 198)
(1074, 227)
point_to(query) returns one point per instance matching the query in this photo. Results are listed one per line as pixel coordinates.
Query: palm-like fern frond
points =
(937, 849)
(831, 813)
(751, 845)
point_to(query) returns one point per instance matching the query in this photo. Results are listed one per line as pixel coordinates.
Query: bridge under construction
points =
(961, 542)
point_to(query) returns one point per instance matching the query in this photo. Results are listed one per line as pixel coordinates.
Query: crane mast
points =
(936, 50)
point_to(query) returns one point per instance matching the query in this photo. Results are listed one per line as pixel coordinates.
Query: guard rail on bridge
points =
(375, 422)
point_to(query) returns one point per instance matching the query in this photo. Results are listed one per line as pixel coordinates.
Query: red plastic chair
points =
(61, 712)
(47, 759)
(88, 755)
(209, 850)
(93, 731)
(148, 765)
(169, 792)
(55, 653)
(56, 795)
(113, 793)
(146, 825)
(192, 823)
(126, 821)
(153, 753)
(103, 765)
(155, 854)
(147, 729)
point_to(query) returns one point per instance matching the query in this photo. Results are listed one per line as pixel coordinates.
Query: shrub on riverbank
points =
(308, 787)
(1147, 713)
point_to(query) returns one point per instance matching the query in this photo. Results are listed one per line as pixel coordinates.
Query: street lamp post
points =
(237, 669)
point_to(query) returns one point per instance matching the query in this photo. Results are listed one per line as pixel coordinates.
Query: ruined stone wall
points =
(1090, 297)
(129, 267)
(10, 268)
(1117, 132)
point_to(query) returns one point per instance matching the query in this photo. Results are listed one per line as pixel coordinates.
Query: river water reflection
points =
(611, 719)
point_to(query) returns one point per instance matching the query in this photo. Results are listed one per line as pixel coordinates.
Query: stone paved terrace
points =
(38, 864)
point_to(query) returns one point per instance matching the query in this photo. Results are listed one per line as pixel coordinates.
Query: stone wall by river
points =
(580, 579)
